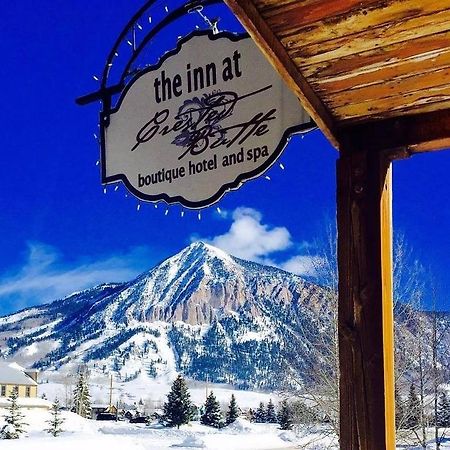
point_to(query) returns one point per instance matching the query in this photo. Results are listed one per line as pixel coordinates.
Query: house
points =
(14, 376)
(25, 381)
(99, 409)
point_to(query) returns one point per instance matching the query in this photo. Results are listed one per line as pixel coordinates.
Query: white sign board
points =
(212, 114)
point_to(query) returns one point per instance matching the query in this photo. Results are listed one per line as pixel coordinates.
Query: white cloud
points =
(249, 238)
(45, 276)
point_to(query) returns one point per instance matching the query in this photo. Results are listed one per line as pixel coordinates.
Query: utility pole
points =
(110, 391)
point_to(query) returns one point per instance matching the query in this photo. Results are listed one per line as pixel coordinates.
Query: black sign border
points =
(247, 176)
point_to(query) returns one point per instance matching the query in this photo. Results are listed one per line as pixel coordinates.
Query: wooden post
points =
(366, 341)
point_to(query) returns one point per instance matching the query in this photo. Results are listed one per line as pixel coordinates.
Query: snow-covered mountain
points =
(201, 312)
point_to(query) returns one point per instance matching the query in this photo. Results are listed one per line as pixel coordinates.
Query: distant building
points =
(25, 381)
(99, 409)
(102, 410)
(13, 376)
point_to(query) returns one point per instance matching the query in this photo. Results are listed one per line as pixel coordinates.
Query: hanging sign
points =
(211, 115)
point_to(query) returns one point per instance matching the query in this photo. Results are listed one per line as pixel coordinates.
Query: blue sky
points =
(61, 233)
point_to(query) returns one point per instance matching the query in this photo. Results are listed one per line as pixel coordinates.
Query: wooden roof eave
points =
(402, 134)
(277, 55)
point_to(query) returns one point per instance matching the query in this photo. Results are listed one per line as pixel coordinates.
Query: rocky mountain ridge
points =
(200, 311)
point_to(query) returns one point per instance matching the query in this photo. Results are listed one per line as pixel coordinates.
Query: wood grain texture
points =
(388, 90)
(388, 304)
(391, 71)
(365, 300)
(431, 99)
(349, 18)
(287, 19)
(371, 38)
(378, 58)
(269, 5)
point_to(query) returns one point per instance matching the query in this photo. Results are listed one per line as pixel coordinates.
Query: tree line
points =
(179, 410)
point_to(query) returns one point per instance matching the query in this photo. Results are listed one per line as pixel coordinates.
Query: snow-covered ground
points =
(152, 391)
(91, 435)
(83, 434)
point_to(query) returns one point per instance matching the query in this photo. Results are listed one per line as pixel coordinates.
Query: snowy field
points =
(82, 434)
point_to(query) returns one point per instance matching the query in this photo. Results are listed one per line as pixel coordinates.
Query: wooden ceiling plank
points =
(437, 96)
(377, 58)
(269, 5)
(418, 109)
(286, 19)
(389, 88)
(393, 107)
(352, 19)
(252, 21)
(371, 38)
(393, 71)
(415, 133)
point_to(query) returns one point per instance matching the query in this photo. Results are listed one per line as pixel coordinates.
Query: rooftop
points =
(12, 373)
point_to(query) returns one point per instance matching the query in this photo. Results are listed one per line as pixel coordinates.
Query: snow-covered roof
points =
(12, 373)
(27, 402)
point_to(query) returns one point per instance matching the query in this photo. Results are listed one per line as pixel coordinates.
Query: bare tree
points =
(318, 335)
(438, 378)
(419, 344)
(413, 332)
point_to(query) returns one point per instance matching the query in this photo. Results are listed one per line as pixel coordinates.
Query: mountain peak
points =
(198, 245)
(209, 250)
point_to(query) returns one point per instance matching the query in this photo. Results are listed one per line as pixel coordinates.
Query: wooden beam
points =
(413, 133)
(367, 418)
(274, 51)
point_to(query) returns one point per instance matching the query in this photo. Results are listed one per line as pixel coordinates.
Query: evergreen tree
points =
(260, 413)
(212, 416)
(81, 397)
(56, 420)
(412, 419)
(285, 416)
(271, 415)
(178, 409)
(443, 411)
(233, 411)
(14, 418)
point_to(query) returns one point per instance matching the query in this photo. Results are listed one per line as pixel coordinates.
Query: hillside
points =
(201, 312)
